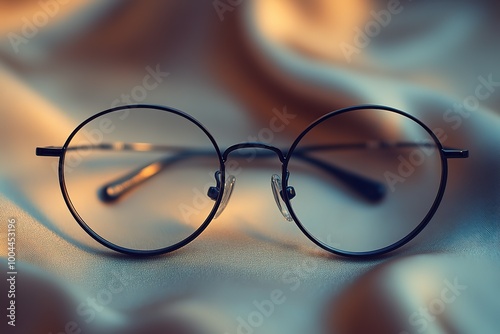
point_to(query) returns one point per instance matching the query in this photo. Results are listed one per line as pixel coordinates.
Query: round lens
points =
(139, 177)
(366, 180)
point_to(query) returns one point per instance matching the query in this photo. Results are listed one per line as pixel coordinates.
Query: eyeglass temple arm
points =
(49, 151)
(369, 189)
(452, 153)
(448, 152)
(112, 191)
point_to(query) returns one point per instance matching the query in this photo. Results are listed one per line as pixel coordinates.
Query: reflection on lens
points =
(363, 188)
(139, 177)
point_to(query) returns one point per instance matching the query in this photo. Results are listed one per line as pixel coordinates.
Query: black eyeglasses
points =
(146, 180)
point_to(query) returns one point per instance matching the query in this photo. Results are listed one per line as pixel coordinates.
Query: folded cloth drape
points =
(230, 64)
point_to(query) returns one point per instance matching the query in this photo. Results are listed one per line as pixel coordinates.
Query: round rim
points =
(109, 244)
(409, 236)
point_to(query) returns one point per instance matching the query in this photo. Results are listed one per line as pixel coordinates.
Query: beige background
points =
(230, 74)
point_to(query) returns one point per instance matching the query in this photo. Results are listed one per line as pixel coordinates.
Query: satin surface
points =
(232, 66)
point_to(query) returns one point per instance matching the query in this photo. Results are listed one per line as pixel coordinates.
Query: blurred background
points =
(234, 65)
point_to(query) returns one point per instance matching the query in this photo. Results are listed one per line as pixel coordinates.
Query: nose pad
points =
(278, 196)
(213, 193)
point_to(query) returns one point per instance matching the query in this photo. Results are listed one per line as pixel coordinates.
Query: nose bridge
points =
(254, 145)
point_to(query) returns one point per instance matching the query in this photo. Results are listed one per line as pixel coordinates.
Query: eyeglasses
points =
(146, 180)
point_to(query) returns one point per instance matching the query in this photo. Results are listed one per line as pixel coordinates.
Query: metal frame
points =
(444, 155)
(284, 159)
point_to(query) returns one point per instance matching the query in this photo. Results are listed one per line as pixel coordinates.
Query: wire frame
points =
(286, 193)
(432, 210)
